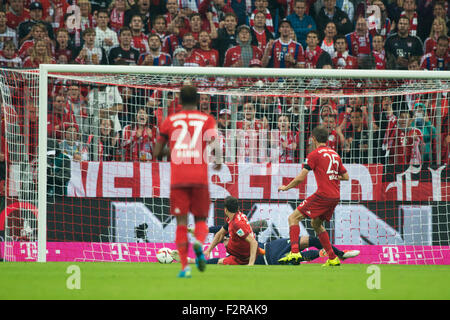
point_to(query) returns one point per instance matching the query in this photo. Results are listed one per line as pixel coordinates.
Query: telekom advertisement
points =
(402, 219)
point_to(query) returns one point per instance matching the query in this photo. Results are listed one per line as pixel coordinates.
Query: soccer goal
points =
(81, 183)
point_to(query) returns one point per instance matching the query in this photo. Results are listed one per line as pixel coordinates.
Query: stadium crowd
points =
(121, 123)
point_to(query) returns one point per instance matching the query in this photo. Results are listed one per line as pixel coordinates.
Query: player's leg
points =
(179, 207)
(294, 235)
(200, 235)
(294, 229)
(307, 242)
(200, 203)
(324, 239)
(182, 243)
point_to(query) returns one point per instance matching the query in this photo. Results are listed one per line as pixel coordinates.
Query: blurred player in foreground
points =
(328, 171)
(188, 132)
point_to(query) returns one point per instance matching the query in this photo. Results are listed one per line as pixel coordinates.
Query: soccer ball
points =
(164, 256)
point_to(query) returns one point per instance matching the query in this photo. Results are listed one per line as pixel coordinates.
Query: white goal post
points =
(299, 87)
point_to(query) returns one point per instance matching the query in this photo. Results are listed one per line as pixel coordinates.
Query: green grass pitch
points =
(155, 281)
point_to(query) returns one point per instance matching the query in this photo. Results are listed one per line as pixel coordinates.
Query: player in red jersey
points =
(242, 246)
(188, 133)
(328, 171)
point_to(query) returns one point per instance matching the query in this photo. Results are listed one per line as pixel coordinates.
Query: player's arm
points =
(297, 180)
(253, 249)
(218, 238)
(159, 145)
(214, 143)
(218, 157)
(344, 176)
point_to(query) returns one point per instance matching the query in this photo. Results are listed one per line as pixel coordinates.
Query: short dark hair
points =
(124, 29)
(320, 133)
(312, 31)
(231, 204)
(443, 37)
(189, 95)
(340, 36)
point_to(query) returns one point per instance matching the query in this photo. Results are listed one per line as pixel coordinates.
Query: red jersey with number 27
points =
(326, 165)
(188, 133)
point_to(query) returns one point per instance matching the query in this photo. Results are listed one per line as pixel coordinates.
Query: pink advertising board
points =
(146, 252)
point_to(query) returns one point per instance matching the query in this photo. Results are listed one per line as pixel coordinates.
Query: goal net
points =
(81, 183)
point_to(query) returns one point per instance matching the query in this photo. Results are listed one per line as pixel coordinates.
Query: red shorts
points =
(190, 199)
(234, 261)
(318, 207)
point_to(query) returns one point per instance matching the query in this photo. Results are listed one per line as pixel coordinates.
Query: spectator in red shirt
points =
(87, 19)
(260, 33)
(59, 115)
(438, 59)
(139, 138)
(197, 24)
(244, 52)
(193, 58)
(159, 26)
(78, 106)
(218, 8)
(56, 12)
(141, 7)
(211, 55)
(262, 6)
(250, 121)
(284, 142)
(16, 13)
(172, 15)
(315, 55)
(356, 139)
(378, 52)
(117, 14)
(438, 28)
(9, 56)
(343, 59)
(39, 54)
(405, 144)
(154, 57)
(385, 26)
(359, 42)
(140, 40)
(38, 32)
(107, 145)
(63, 50)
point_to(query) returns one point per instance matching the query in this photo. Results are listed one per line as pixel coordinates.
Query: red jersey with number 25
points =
(326, 165)
(188, 133)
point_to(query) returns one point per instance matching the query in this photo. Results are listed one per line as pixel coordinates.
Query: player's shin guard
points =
(201, 231)
(294, 235)
(325, 241)
(182, 243)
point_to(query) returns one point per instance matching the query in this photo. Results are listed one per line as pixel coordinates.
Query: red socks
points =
(182, 242)
(294, 235)
(326, 244)
(201, 231)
